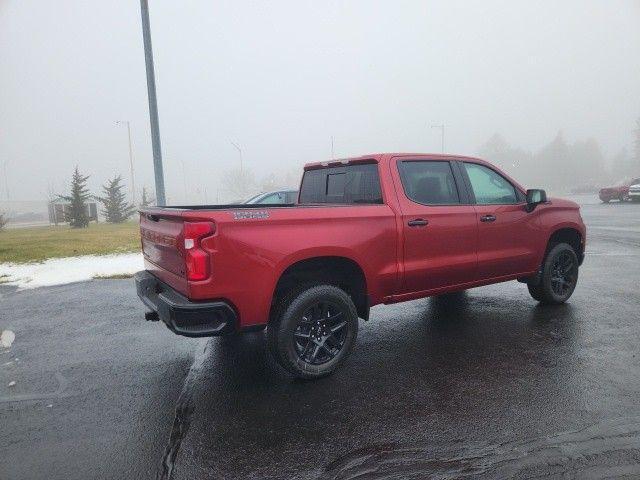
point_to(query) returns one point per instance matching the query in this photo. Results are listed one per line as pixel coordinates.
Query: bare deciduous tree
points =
(238, 184)
(281, 180)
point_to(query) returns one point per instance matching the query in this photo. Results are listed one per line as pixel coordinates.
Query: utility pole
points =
(133, 178)
(441, 127)
(153, 105)
(240, 152)
(332, 155)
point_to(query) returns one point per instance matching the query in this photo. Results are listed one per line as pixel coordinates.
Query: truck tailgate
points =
(161, 235)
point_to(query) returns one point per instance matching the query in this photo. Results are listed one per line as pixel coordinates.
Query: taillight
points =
(196, 258)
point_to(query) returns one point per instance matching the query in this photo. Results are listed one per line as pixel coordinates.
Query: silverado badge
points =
(249, 214)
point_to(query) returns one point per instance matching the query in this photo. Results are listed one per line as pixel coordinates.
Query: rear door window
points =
(349, 184)
(429, 182)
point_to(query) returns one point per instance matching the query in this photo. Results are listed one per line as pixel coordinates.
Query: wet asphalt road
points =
(485, 384)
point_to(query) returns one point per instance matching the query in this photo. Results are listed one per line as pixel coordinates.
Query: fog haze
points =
(281, 78)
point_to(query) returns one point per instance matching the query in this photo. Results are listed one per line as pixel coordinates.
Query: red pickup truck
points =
(371, 230)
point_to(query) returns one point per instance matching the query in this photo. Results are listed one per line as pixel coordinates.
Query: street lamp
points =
(441, 127)
(133, 183)
(240, 152)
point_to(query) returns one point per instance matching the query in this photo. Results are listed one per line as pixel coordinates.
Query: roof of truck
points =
(380, 157)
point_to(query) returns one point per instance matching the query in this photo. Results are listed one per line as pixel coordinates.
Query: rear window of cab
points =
(344, 184)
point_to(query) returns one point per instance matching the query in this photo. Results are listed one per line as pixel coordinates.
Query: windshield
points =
(254, 199)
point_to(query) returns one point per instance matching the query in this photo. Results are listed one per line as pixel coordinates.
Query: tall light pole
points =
(153, 105)
(133, 178)
(240, 152)
(441, 127)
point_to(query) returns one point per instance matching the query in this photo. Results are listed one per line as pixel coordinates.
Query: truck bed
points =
(225, 206)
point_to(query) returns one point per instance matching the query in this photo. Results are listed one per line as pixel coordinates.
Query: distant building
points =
(58, 209)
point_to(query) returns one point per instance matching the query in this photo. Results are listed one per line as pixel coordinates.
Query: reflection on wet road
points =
(602, 450)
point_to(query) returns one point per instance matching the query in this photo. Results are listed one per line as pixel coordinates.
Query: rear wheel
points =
(559, 276)
(313, 331)
(535, 291)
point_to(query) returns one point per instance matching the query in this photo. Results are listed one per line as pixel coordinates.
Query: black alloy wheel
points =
(564, 273)
(321, 333)
(559, 275)
(313, 330)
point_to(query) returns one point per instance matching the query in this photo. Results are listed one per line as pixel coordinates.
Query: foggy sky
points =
(281, 77)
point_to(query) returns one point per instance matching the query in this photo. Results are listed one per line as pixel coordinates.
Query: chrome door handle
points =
(418, 222)
(488, 218)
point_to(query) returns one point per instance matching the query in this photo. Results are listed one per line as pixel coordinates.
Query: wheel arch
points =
(339, 270)
(570, 235)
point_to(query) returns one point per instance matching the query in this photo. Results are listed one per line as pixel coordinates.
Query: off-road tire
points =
(550, 290)
(535, 291)
(288, 314)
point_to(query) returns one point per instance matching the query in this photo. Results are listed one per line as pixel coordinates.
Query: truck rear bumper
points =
(182, 316)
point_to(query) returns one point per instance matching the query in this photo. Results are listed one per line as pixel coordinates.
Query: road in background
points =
(486, 384)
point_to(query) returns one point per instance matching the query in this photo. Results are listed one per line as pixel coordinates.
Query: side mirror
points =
(534, 197)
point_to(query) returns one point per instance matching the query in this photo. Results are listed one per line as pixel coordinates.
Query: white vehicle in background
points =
(279, 197)
(634, 192)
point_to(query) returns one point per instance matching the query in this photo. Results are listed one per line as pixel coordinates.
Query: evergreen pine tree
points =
(77, 214)
(116, 209)
(146, 199)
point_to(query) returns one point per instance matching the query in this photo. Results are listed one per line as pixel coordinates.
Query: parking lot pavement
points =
(95, 387)
(484, 384)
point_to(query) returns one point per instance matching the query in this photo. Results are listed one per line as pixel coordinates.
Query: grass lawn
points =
(34, 244)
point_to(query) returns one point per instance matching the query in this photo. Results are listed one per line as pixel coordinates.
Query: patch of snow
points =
(7, 338)
(58, 271)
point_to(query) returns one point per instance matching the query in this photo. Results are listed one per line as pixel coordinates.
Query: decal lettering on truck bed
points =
(249, 214)
(166, 240)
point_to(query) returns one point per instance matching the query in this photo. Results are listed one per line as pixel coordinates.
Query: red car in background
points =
(619, 192)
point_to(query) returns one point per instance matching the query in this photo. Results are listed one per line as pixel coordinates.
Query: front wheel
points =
(313, 331)
(559, 276)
